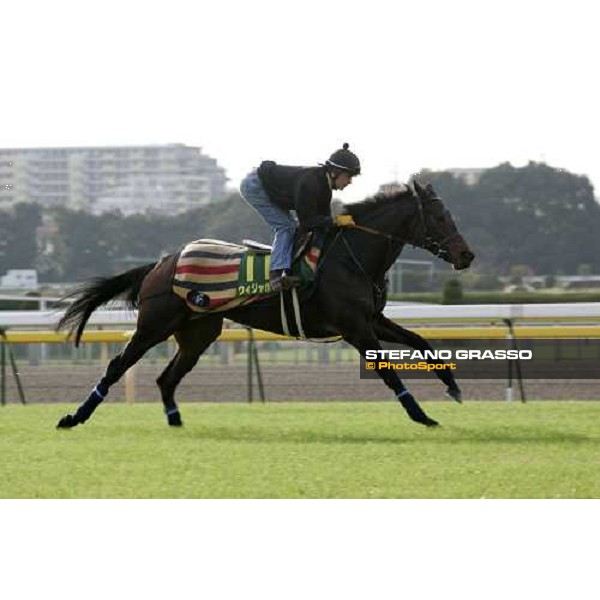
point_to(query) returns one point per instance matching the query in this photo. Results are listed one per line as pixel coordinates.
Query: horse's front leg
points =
(367, 340)
(388, 331)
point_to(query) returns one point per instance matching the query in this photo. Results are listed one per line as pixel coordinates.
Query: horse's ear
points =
(429, 189)
(418, 188)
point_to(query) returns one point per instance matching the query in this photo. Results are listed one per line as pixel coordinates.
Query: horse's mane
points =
(381, 200)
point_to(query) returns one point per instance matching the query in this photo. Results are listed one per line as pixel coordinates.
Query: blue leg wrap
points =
(98, 393)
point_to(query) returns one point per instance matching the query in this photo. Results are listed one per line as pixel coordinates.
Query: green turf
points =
(302, 450)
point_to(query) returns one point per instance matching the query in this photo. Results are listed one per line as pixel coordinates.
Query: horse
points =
(348, 300)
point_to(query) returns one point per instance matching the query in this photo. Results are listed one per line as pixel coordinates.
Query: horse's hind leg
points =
(158, 319)
(193, 340)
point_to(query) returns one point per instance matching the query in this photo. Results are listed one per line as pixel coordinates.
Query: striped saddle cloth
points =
(212, 275)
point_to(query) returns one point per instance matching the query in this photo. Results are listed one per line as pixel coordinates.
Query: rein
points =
(360, 267)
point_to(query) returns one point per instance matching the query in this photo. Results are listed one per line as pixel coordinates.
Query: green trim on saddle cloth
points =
(253, 277)
(254, 271)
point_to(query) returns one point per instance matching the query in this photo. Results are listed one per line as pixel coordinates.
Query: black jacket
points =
(303, 189)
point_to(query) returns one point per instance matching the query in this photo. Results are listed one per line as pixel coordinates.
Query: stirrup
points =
(289, 281)
(284, 282)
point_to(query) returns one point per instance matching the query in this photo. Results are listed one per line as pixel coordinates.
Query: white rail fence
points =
(427, 319)
(449, 313)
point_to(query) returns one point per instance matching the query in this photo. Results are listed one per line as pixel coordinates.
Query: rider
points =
(274, 190)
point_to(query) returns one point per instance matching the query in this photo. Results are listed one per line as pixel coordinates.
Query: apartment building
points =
(161, 179)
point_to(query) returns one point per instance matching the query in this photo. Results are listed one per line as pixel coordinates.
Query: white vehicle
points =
(20, 278)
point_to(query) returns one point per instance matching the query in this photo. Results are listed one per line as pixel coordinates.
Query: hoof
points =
(455, 394)
(66, 422)
(415, 412)
(423, 419)
(174, 419)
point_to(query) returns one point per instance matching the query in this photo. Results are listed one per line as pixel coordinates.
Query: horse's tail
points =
(98, 291)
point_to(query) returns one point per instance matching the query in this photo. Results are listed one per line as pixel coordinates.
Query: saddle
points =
(213, 275)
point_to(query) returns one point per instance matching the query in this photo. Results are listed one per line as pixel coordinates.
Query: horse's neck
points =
(375, 254)
(378, 253)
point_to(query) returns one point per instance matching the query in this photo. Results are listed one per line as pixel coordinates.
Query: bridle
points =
(437, 248)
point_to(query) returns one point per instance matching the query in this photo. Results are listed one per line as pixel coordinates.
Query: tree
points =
(18, 246)
(453, 293)
(544, 217)
(535, 215)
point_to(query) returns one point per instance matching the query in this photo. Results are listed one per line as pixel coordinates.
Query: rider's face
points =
(341, 181)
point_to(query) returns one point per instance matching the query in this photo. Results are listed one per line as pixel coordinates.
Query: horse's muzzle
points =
(465, 258)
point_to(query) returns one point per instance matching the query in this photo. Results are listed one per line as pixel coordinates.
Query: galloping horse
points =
(348, 300)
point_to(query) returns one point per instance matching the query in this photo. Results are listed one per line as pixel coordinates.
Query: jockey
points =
(274, 190)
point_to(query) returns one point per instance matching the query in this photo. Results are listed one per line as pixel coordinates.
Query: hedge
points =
(501, 298)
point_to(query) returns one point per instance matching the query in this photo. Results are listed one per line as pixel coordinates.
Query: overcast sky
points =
(408, 84)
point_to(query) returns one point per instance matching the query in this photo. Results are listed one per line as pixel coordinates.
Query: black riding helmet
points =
(344, 160)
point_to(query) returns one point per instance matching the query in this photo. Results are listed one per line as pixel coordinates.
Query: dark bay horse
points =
(348, 301)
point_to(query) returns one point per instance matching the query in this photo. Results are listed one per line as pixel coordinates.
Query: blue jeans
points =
(283, 224)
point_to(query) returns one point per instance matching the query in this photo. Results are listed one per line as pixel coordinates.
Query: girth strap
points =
(297, 315)
(284, 322)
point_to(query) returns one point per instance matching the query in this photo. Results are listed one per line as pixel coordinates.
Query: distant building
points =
(163, 179)
(469, 176)
(570, 282)
(391, 188)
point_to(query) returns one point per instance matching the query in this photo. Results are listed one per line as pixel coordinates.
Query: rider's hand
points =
(344, 221)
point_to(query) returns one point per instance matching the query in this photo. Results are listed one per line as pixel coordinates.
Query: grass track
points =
(304, 450)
